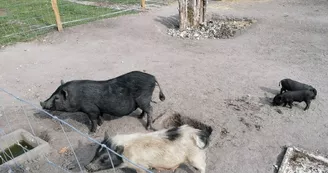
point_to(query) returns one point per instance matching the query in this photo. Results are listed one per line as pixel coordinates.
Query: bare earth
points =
(225, 83)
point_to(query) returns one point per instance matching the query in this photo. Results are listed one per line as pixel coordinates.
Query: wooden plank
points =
(57, 15)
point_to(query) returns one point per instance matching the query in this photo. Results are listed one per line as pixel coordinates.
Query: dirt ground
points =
(225, 83)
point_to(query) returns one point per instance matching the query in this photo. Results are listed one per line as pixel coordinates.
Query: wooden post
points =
(143, 4)
(57, 15)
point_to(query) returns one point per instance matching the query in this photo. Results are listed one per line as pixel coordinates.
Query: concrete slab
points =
(40, 147)
(298, 160)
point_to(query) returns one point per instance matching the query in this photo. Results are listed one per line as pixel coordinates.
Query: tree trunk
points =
(192, 13)
(183, 14)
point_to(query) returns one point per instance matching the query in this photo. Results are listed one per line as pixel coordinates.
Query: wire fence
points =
(19, 117)
(23, 20)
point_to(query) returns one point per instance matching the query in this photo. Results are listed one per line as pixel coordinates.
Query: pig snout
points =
(46, 104)
(42, 104)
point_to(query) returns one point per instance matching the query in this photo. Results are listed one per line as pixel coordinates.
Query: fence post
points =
(57, 15)
(143, 4)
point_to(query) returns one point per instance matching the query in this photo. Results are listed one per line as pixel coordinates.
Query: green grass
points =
(129, 2)
(23, 19)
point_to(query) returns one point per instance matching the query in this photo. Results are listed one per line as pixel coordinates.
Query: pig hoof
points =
(100, 123)
(93, 130)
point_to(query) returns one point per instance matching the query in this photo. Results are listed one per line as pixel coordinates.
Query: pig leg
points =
(308, 102)
(149, 111)
(142, 114)
(100, 120)
(285, 104)
(197, 160)
(282, 90)
(93, 114)
(290, 104)
(144, 104)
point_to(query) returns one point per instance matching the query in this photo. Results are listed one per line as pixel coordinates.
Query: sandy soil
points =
(225, 83)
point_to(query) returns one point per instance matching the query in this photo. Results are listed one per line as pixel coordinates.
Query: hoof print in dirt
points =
(216, 28)
(249, 125)
(224, 133)
(244, 103)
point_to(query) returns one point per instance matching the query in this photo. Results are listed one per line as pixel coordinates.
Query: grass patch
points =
(128, 2)
(24, 20)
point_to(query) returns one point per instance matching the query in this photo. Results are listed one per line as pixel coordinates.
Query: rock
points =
(279, 111)
(71, 166)
(183, 34)
(220, 29)
(36, 167)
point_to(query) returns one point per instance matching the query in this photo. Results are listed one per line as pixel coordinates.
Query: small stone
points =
(279, 111)
(37, 167)
(183, 34)
(71, 166)
(27, 168)
(196, 35)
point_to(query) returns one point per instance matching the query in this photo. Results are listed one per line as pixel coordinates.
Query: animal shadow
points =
(269, 90)
(85, 153)
(266, 100)
(280, 158)
(169, 22)
(76, 116)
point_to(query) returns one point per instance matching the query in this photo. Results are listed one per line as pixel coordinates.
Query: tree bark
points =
(192, 13)
(183, 14)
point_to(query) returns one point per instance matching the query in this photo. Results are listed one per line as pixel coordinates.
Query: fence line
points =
(22, 20)
(72, 127)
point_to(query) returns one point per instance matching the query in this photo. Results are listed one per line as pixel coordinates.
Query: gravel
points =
(214, 29)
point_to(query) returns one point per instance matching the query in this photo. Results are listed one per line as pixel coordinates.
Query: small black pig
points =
(292, 85)
(119, 96)
(290, 96)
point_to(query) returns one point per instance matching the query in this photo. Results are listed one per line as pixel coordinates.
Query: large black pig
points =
(292, 85)
(119, 96)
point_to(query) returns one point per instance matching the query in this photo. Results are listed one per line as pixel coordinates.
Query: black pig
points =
(290, 96)
(119, 96)
(292, 85)
(102, 158)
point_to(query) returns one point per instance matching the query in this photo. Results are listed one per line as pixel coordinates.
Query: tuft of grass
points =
(25, 20)
(128, 2)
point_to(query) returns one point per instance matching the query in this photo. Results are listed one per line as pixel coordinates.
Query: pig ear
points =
(119, 149)
(65, 93)
(62, 82)
(106, 136)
